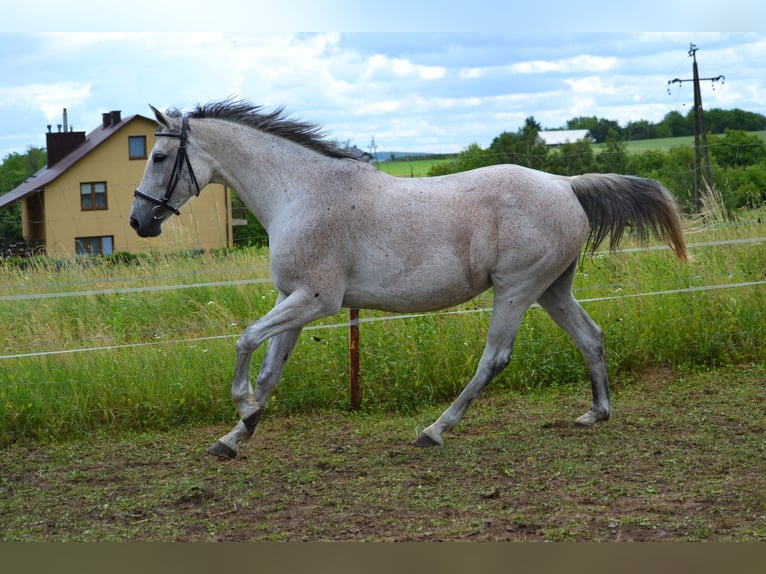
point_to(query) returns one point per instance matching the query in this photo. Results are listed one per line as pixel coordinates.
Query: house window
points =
(137, 147)
(94, 245)
(93, 195)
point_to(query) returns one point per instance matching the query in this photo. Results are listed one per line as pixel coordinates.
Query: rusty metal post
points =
(353, 358)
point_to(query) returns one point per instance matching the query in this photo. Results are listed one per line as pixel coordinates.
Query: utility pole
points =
(374, 151)
(700, 136)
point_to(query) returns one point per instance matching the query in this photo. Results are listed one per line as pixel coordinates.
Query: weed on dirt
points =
(682, 459)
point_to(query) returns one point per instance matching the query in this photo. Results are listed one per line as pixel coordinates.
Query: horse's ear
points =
(161, 118)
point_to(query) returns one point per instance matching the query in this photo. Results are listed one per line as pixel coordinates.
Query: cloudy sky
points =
(411, 91)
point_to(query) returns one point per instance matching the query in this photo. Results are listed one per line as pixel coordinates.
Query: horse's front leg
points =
(282, 325)
(250, 404)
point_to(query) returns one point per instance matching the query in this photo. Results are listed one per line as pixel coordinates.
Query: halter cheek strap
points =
(182, 158)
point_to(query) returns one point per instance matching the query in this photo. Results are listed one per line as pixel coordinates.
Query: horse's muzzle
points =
(151, 228)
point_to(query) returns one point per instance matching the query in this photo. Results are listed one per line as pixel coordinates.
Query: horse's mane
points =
(277, 123)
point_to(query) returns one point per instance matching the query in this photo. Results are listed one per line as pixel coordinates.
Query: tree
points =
(677, 174)
(640, 130)
(599, 128)
(581, 123)
(649, 163)
(522, 148)
(572, 159)
(678, 124)
(471, 157)
(743, 187)
(674, 124)
(614, 156)
(717, 120)
(737, 149)
(14, 170)
(10, 225)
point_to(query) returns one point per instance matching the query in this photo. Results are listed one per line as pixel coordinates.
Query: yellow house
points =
(80, 203)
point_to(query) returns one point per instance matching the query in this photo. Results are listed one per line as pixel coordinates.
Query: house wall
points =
(204, 222)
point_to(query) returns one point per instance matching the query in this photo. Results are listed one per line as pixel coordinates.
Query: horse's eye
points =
(159, 157)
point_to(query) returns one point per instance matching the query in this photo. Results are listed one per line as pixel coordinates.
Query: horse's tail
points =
(613, 202)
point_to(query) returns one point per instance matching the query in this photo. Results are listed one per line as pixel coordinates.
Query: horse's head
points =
(170, 177)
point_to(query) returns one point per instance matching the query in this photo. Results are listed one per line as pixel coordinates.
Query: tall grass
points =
(160, 359)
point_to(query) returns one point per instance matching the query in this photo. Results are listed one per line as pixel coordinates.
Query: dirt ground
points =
(681, 459)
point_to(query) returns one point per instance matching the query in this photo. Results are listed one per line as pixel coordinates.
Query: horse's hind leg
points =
(561, 305)
(504, 325)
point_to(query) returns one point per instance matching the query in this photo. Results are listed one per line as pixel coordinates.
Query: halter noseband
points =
(175, 176)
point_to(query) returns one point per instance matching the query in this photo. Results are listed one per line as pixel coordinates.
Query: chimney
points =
(112, 118)
(62, 143)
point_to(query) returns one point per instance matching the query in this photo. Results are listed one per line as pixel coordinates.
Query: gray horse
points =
(344, 234)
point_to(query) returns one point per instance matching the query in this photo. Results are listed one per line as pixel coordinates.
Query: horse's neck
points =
(263, 170)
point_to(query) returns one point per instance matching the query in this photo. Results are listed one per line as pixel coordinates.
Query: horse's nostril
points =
(134, 223)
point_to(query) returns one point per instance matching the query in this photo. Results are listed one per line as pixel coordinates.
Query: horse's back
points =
(506, 210)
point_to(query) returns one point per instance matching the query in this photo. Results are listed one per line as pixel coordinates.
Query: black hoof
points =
(222, 451)
(425, 441)
(252, 421)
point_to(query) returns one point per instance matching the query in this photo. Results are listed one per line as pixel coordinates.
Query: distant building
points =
(80, 203)
(556, 138)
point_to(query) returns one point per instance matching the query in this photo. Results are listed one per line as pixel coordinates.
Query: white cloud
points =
(590, 85)
(536, 67)
(48, 98)
(471, 73)
(374, 108)
(757, 93)
(381, 66)
(583, 63)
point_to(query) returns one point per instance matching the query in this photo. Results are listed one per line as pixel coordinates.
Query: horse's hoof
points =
(591, 418)
(426, 441)
(251, 421)
(222, 451)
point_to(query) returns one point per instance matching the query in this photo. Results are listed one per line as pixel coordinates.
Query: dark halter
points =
(175, 176)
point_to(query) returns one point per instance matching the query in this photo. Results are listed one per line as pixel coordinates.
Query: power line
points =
(235, 282)
(693, 289)
(133, 289)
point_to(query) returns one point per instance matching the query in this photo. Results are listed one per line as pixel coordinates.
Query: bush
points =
(737, 149)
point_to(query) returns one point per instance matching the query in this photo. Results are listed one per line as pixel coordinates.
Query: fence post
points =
(353, 358)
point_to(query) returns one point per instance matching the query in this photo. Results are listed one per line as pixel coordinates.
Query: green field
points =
(659, 144)
(664, 144)
(409, 167)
